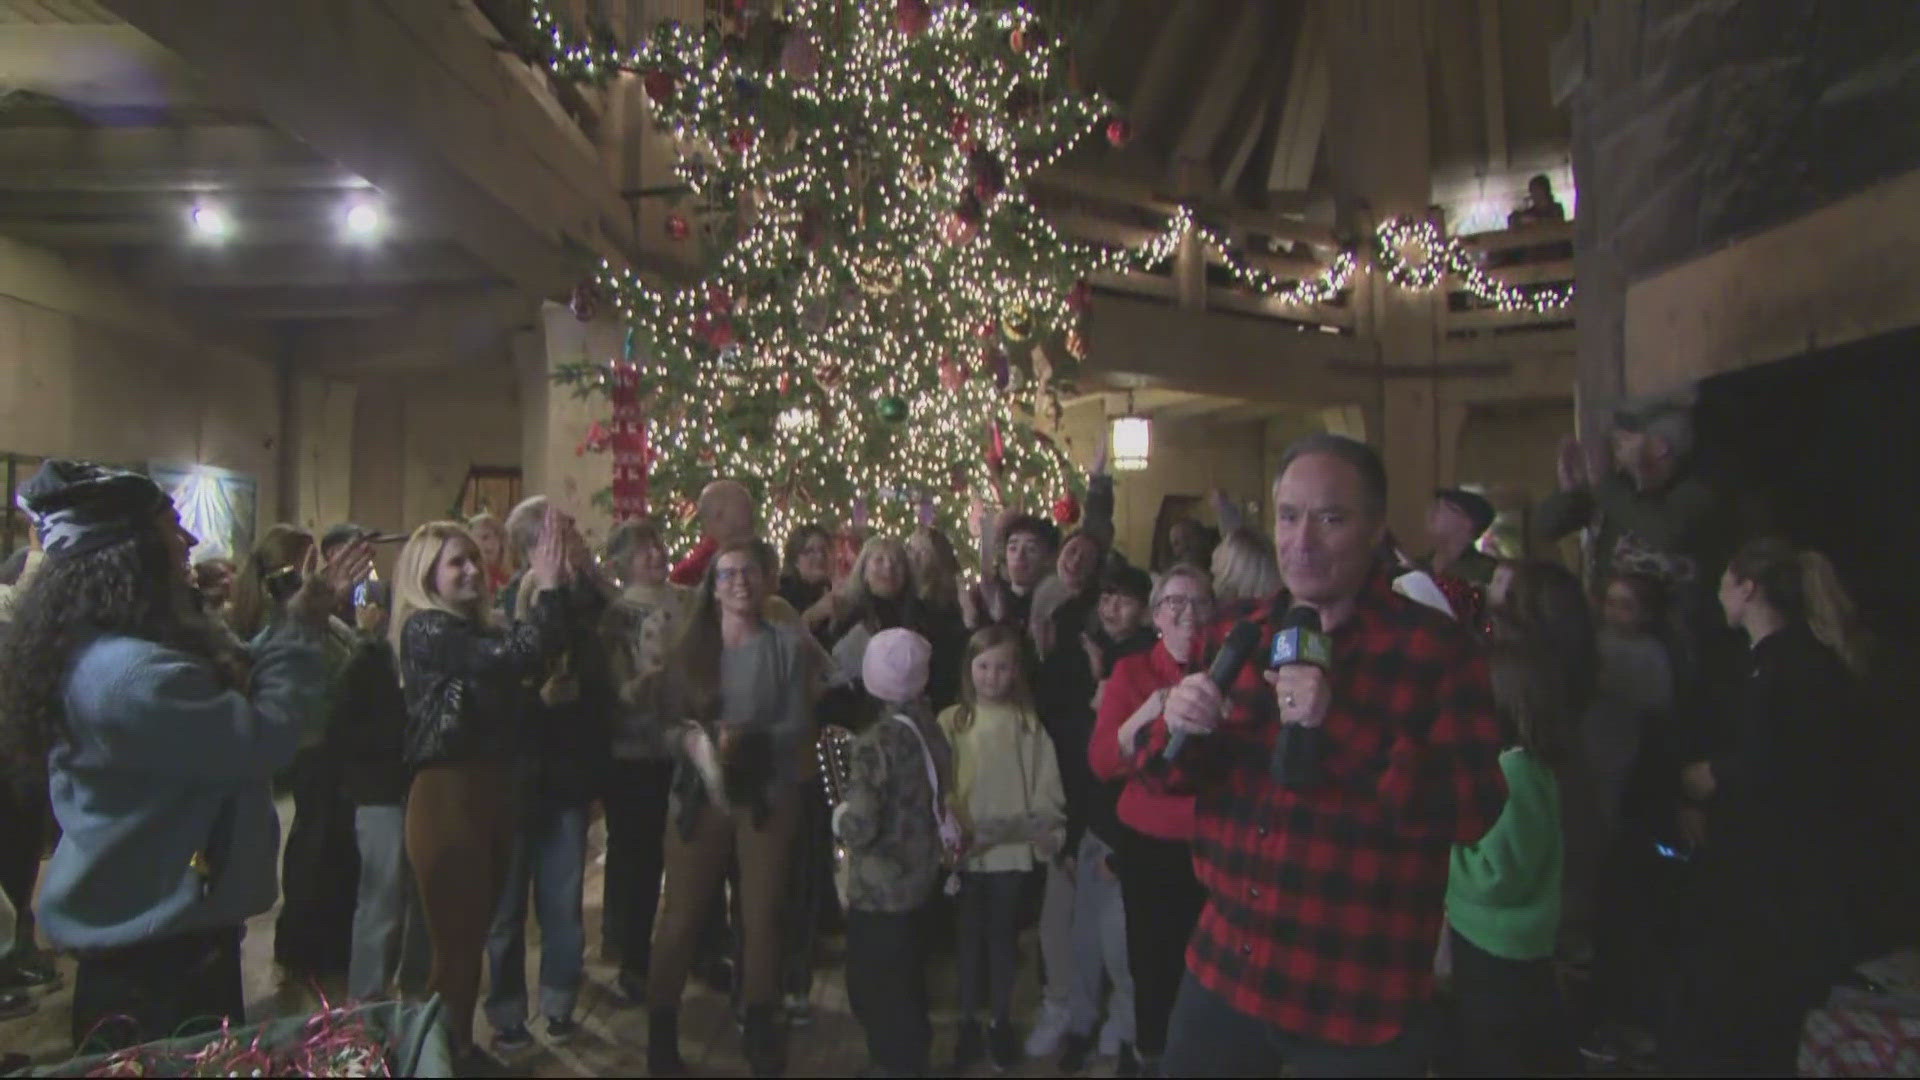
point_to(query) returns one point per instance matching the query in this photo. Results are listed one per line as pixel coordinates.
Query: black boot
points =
(663, 1043)
(761, 1042)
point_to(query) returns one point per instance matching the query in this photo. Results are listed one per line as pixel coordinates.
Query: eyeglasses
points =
(1181, 605)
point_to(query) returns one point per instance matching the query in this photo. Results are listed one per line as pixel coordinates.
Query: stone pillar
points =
(1379, 148)
(555, 421)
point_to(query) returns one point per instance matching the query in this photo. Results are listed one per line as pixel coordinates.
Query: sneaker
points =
(1048, 1028)
(971, 1047)
(512, 1040)
(1003, 1048)
(1126, 1062)
(1075, 1049)
(799, 1010)
(561, 1029)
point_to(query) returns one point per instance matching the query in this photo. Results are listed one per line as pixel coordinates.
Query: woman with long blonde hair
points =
(496, 554)
(1244, 569)
(462, 671)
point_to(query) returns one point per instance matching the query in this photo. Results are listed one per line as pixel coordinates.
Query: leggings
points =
(1163, 903)
(989, 939)
(460, 828)
(695, 867)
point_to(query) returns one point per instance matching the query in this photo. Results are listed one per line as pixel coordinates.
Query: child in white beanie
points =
(894, 829)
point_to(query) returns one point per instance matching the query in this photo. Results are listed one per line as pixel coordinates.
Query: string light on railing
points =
(1441, 255)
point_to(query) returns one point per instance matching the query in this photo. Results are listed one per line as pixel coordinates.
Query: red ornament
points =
(985, 330)
(1066, 509)
(786, 383)
(952, 375)
(1017, 41)
(677, 227)
(1080, 297)
(996, 448)
(740, 139)
(1119, 132)
(719, 301)
(961, 125)
(658, 85)
(912, 16)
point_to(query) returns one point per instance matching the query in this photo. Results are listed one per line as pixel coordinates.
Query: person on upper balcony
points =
(1540, 207)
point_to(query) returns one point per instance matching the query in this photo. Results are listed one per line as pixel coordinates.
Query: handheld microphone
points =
(1296, 754)
(1233, 655)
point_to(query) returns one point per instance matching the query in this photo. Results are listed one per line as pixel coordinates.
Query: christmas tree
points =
(885, 316)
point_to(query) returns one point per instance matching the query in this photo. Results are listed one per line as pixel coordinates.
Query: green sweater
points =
(1503, 892)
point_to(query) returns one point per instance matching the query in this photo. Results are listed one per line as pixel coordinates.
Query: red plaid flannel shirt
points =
(1324, 904)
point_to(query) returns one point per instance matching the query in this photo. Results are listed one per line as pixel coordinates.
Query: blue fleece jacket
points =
(162, 762)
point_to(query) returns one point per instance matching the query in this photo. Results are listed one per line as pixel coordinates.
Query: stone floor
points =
(612, 1039)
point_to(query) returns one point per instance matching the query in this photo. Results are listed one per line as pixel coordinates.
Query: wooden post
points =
(1379, 147)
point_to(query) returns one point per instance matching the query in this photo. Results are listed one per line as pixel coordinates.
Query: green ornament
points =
(893, 409)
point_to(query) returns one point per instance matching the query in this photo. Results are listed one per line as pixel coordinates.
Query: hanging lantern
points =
(1132, 442)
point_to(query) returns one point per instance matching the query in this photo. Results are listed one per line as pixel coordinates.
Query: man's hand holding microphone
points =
(1298, 664)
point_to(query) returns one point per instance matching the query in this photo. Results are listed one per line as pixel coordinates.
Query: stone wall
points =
(1697, 122)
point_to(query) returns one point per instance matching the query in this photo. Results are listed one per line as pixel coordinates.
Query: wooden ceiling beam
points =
(1303, 113)
(1160, 76)
(1141, 344)
(1226, 83)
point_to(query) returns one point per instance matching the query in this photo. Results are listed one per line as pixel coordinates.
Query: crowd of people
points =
(1371, 840)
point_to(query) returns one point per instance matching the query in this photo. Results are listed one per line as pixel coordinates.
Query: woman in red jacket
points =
(1157, 885)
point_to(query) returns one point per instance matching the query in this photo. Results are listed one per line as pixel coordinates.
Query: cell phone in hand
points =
(362, 594)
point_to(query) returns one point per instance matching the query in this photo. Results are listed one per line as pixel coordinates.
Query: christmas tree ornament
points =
(678, 228)
(740, 139)
(1066, 509)
(1119, 132)
(1017, 40)
(1016, 323)
(959, 125)
(658, 85)
(911, 17)
(893, 409)
(719, 300)
(952, 375)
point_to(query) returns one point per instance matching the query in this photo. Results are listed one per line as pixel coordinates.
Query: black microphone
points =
(1296, 755)
(1233, 655)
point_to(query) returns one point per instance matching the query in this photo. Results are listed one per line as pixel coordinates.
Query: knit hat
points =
(895, 667)
(80, 507)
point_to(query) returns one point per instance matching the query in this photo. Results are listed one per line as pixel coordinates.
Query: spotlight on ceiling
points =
(210, 222)
(364, 221)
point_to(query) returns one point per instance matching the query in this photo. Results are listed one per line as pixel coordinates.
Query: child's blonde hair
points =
(985, 640)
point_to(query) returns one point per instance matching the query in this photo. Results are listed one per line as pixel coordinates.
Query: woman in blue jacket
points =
(159, 745)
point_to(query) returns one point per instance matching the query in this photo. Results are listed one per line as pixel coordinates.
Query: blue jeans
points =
(389, 932)
(1208, 1037)
(1099, 945)
(550, 855)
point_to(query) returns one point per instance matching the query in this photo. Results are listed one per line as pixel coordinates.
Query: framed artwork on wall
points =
(217, 505)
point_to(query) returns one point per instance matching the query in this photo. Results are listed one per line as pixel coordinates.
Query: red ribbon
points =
(628, 441)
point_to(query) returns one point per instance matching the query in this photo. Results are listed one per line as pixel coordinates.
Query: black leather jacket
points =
(463, 680)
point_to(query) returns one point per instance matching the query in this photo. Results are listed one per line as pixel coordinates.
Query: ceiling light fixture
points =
(364, 221)
(210, 223)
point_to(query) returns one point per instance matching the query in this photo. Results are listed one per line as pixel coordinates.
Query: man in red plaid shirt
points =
(1324, 904)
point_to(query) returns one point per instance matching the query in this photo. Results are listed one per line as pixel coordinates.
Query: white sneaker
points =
(1049, 1027)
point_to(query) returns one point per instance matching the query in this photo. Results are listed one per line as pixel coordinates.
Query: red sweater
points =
(694, 566)
(1146, 806)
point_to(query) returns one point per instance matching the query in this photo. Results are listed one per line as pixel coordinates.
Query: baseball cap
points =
(347, 532)
(1471, 503)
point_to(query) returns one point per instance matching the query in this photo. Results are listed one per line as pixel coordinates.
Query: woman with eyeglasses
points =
(1162, 897)
(740, 725)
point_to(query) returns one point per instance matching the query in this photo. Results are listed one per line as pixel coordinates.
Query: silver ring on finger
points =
(1289, 701)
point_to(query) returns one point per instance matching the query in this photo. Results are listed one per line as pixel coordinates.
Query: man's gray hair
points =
(524, 524)
(1364, 459)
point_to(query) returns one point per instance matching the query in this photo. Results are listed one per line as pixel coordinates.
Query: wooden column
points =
(1379, 140)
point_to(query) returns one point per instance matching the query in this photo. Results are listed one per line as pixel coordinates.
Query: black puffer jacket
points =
(463, 680)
